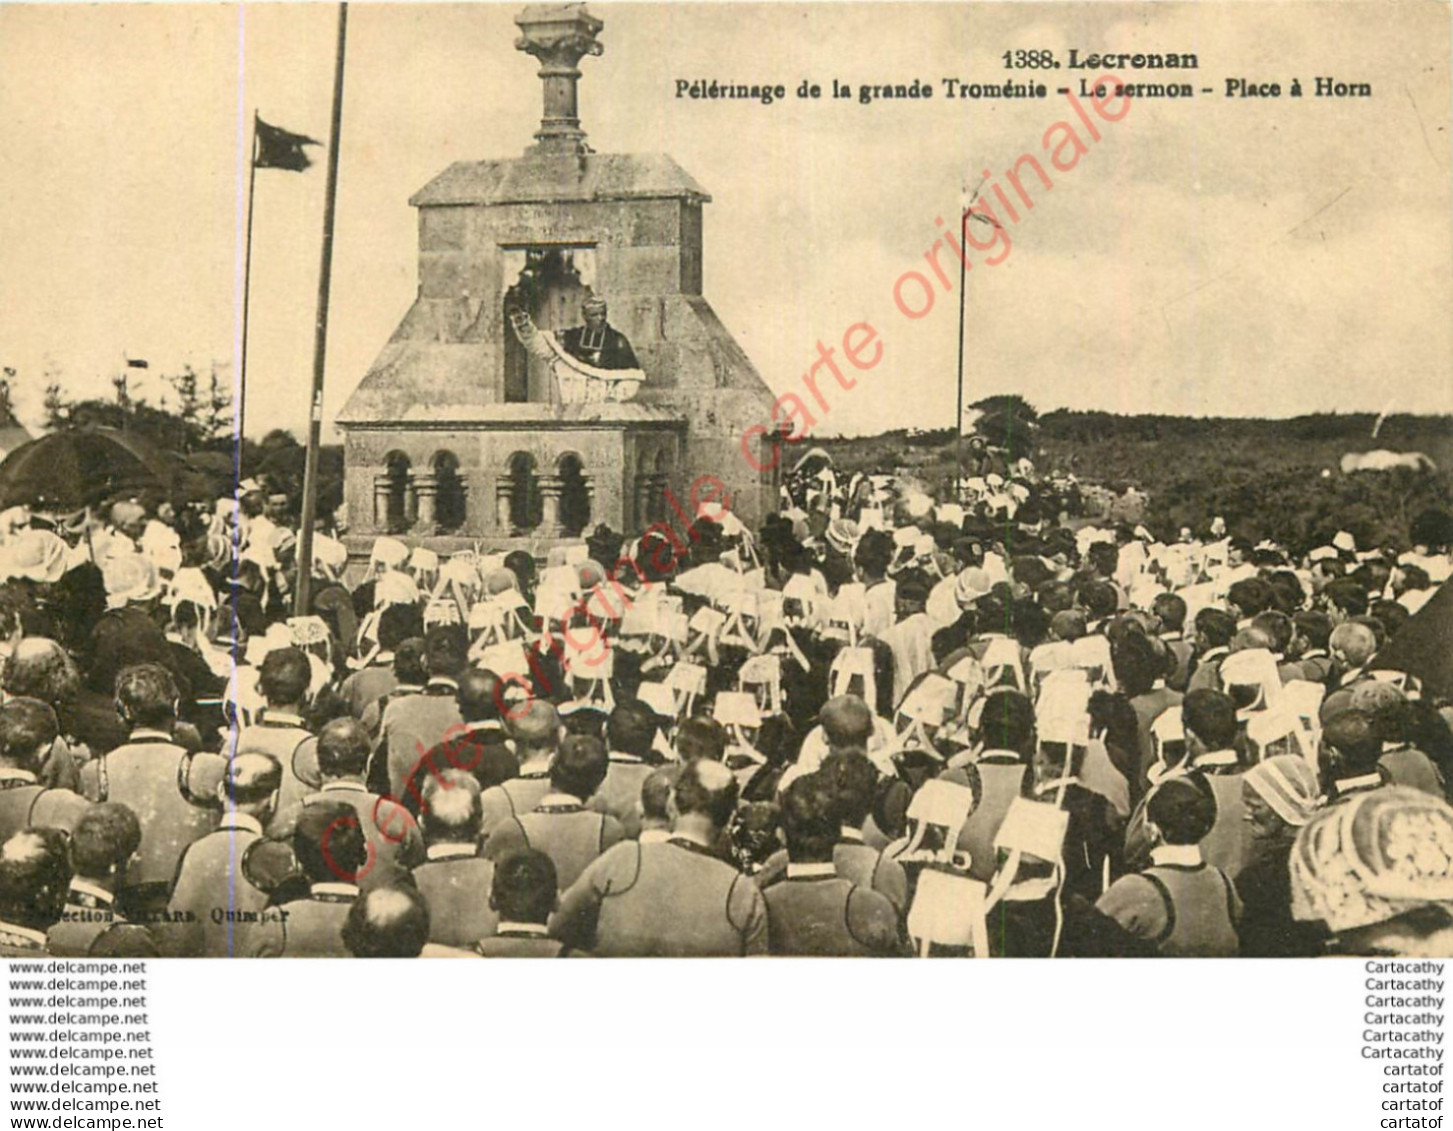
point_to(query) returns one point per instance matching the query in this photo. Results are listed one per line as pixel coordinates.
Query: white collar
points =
(1041, 790)
(343, 784)
(450, 851)
(654, 836)
(1212, 653)
(850, 835)
(148, 734)
(1184, 855)
(811, 871)
(510, 927)
(1362, 781)
(349, 890)
(442, 681)
(15, 773)
(682, 834)
(621, 756)
(537, 767)
(560, 801)
(1349, 677)
(96, 892)
(1214, 758)
(287, 718)
(236, 819)
(484, 724)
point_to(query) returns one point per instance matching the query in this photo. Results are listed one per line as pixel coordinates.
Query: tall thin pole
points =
(246, 289)
(320, 338)
(959, 416)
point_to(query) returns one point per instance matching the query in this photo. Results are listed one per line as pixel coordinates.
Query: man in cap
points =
(598, 343)
(814, 911)
(280, 730)
(413, 725)
(631, 730)
(392, 839)
(102, 845)
(1188, 907)
(671, 899)
(455, 878)
(219, 904)
(35, 873)
(171, 791)
(560, 825)
(27, 732)
(1279, 797)
(1206, 749)
(477, 745)
(329, 844)
(534, 728)
(1392, 720)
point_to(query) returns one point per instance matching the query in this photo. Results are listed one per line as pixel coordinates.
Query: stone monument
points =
(483, 419)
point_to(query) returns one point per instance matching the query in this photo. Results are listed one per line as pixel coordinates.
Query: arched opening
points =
(574, 496)
(399, 505)
(550, 290)
(526, 507)
(449, 510)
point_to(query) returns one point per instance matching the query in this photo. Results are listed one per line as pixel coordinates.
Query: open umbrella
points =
(78, 467)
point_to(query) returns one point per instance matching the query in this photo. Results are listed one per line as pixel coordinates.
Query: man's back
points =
(821, 915)
(671, 900)
(563, 829)
(412, 726)
(294, 746)
(620, 793)
(394, 842)
(169, 790)
(215, 910)
(455, 883)
(24, 802)
(91, 926)
(307, 928)
(1189, 912)
(513, 798)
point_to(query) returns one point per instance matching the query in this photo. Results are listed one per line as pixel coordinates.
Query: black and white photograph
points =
(726, 480)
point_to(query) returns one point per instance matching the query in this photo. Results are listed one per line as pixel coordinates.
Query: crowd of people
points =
(878, 725)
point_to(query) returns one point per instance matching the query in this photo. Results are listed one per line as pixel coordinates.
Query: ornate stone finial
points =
(559, 35)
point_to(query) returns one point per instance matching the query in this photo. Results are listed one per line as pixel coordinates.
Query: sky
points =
(1258, 257)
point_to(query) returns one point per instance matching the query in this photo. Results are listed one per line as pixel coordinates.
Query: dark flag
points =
(279, 149)
(1421, 647)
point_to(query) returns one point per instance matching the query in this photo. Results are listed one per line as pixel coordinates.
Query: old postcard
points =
(671, 480)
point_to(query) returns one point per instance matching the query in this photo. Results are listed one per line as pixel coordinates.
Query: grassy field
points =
(1267, 478)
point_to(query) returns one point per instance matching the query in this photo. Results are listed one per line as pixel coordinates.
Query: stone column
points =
(426, 489)
(551, 488)
(383, 487)
(559, 36)
(642, 501)
(504, 488)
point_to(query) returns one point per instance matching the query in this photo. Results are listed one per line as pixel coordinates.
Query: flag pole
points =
(959, 426)
(246, 288)
(320, 339)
